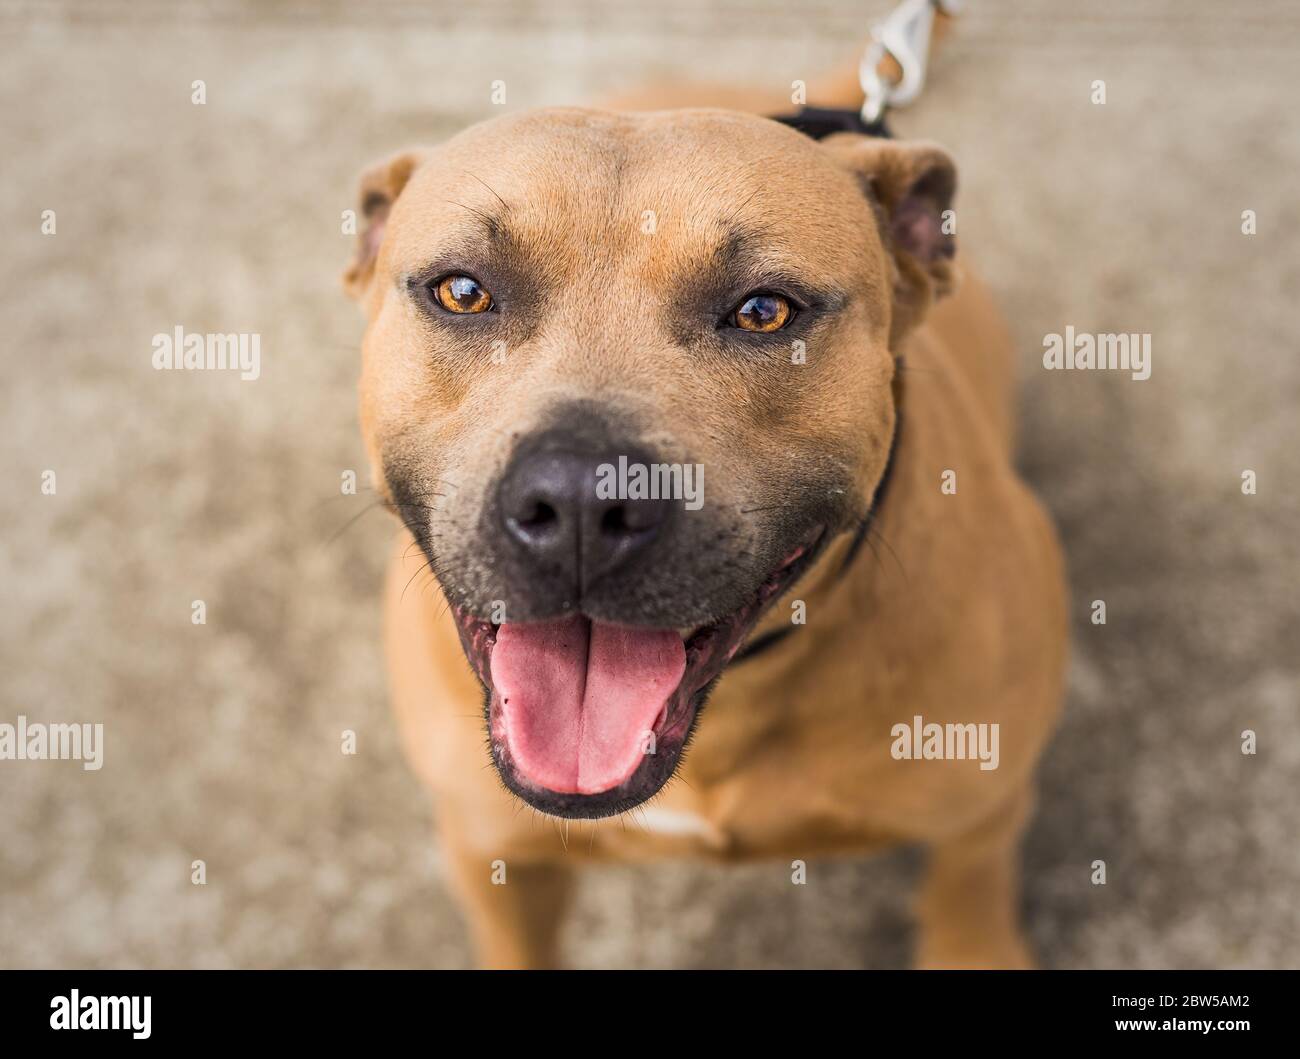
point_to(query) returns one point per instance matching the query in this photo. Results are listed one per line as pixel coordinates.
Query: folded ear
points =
(380, 186)
(911, 185)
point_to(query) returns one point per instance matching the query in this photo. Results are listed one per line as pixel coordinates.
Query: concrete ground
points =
(223, 739)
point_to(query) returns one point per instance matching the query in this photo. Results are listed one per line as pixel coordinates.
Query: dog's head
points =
(625, 377)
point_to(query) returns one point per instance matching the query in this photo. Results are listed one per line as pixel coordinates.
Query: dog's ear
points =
(911, 185)
(380, 186)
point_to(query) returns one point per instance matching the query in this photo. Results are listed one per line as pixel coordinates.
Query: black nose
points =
(560, 507)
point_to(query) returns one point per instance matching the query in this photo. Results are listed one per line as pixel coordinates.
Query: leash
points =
(900, 40)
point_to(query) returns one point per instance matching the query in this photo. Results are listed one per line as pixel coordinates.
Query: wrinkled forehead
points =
(689, 185)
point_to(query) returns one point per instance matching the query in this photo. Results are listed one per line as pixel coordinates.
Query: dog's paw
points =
(987, 954)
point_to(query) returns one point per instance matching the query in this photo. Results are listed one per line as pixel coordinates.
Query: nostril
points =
(631, 519)
(614, 522)
(540, 516)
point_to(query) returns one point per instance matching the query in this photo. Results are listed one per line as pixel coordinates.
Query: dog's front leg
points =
(967, 913)
(514, 907)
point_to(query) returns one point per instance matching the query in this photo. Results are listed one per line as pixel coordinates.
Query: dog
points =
(561, 299)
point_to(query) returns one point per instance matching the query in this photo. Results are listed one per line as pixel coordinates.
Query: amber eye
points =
(462, 294)
(763, 313)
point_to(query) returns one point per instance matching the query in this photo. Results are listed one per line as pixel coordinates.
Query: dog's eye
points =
(762, 312)
(462, 294)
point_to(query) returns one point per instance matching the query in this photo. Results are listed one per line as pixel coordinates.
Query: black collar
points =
(771, 639)
(820, 122)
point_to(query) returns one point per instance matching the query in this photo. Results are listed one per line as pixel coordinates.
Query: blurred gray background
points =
(223, 740)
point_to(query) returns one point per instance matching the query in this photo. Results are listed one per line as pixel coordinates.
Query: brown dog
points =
(846, 565)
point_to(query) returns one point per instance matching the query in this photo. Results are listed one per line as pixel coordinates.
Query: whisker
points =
(482, 215)
(899, 562)
(492, 190)
(353, 520)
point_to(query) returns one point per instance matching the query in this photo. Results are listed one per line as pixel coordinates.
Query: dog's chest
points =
(686, 825)
(751, 813)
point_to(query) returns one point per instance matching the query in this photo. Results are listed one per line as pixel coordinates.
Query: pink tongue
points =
(579, 698)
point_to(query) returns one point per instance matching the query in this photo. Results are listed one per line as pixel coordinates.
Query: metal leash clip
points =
(903, 36)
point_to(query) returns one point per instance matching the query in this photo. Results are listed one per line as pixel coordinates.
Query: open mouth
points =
(588, 719)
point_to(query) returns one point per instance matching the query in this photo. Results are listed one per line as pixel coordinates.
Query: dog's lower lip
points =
(698, 633)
